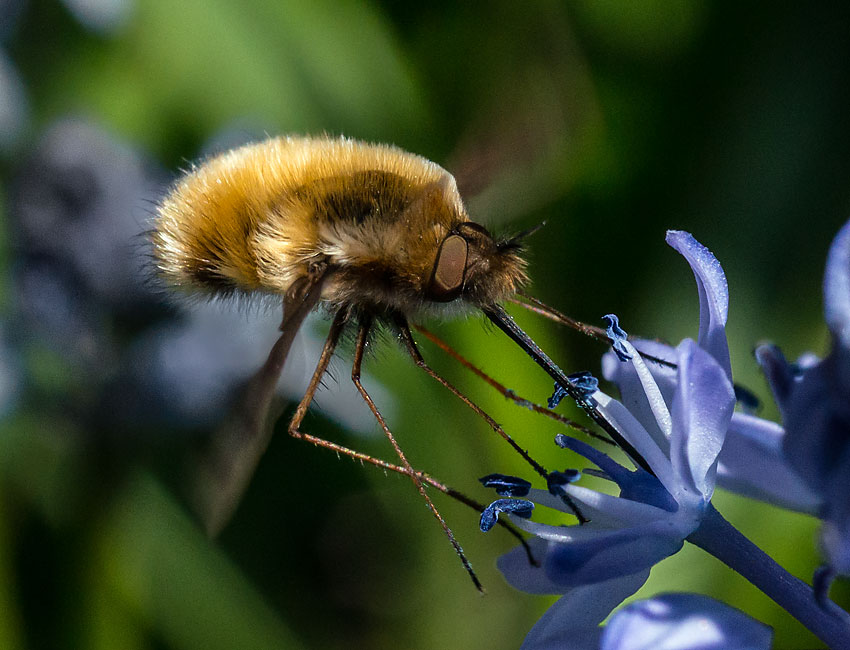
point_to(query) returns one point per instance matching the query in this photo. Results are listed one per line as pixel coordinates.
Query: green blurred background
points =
(612, 121)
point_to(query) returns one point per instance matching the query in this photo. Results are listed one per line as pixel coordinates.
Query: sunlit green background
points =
(612, 121)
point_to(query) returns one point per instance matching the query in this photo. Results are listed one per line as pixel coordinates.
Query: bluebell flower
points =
(677, 415)
(676, 418)
(814, 397)
(752, 462)
(77, 208)
(655, 511)
(51, 309)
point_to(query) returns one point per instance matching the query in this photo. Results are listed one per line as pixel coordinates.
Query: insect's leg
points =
(539, 307)
(410, 344)
(362, 336)
(507, 392)
(413, 350)
(321, 367)
(336, 330)
(337, 326)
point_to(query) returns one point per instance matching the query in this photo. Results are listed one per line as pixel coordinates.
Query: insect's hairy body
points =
(256, 219)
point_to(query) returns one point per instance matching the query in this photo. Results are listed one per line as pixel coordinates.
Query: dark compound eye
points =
(449, 269)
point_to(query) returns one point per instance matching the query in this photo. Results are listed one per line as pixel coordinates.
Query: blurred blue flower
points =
(184, 373)
(83, 198)
(814, 397)
(683, 622)
(101, 16)
(53, 309)
(78, 205)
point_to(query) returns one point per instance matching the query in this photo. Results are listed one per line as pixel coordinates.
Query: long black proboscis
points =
(505, 322)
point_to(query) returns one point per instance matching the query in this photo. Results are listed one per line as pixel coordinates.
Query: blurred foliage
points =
(612, 121)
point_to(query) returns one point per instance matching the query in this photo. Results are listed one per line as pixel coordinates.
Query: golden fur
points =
(255, 219)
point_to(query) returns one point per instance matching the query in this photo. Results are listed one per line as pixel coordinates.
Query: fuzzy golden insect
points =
(388, 227)
(370, 231)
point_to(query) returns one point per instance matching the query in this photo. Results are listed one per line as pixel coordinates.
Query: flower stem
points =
(717, 536)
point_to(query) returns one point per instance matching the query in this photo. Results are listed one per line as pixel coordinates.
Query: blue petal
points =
(702, 409)
(713, 295)
(836, 287)
(573, 621)
(646, 488)
(656, 456)
(523, 575)
(683, 622)
(610, 554)
(752, 463)
(638, 485)
(632, 393)
(531, 579)
(778, 372)
(817, 423)
(817, 418)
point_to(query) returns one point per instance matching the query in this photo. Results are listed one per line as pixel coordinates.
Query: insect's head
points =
(474, 266)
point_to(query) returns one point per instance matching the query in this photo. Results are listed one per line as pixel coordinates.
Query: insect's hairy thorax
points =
(379, 232)
(361, 196)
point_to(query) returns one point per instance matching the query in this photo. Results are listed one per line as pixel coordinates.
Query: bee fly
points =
(376, 234)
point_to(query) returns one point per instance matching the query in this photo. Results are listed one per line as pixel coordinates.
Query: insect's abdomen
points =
(254, 218)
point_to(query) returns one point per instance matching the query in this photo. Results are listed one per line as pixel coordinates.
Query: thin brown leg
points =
(362, 336)
(300, 412)
(337, 327)
(413, 350)
(541, 308)
(410, 344)
(507, 392)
